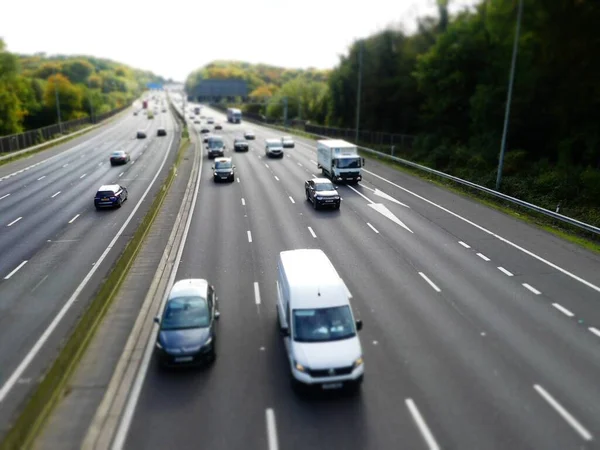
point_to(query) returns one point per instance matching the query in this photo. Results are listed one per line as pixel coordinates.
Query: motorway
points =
(481, 332)
(56, 248)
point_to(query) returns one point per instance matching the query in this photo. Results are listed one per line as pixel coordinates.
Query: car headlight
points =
(359, 362)
(208, 341)
(299, 367)
(215, 174)
(158, 345)
(318, 197)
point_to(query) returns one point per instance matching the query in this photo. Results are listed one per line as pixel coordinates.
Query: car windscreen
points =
(223, 165)
(274, 144)
(324, 187)
(215, 143)
(323, 324)
(105, 194)
(286, 138)
(185, 312)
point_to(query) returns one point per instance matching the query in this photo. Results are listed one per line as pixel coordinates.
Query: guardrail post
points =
(393, 150)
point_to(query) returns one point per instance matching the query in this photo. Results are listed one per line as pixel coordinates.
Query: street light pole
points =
(509, 95)
(57, 101)
(360, 65)
(91, 104)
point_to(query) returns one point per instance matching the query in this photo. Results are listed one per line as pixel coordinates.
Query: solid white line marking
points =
(15, 270)
(563, 310)
(4, 196)
(431, 283)
(55, 194)
(491, 233)
(271, 430)
(422, 425)
(585, 434)
(531, 288)
(314, 162)
(256, 293)
(30, 356)
(13, 222)
(312, 232)
(504, 271)
(482, 256)
(83, 176)
(276, 178)
(595, 331)
(243, 202)
(362, 195)
(464, 244)
(74, 218)
(291, 199)
(373, 228)
(249, 236)
(121, 174)
(41, 178)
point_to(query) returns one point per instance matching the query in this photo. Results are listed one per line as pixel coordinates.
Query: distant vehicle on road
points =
(234, 115)
(339, 160)
(205, 129)
(141, 135)
(287, 142)
(322, 192)
(273, 147)
(240, 144)
(216, 146)
(161, 132)
(224, 170)
(249, 134)
(218, 126)
(110, 195)
(210, 120)
(119, 157)
(197, 121)
(187, 332)
(197, 110)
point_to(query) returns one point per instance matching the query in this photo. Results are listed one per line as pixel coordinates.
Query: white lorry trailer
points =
(339, 160)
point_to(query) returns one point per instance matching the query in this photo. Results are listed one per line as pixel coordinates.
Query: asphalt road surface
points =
(51, 238)
(480, 331)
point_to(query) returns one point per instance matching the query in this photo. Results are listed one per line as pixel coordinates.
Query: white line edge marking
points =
(249, 236)
(585, 434)
(596, 331)
(13, 222)
(82, 176)
(15, 270)
(273, 443)
(491, 233)
(422, 425)
(74, 218)
(136, 390)
(243, 202)
(41, 178)
(312, 232)
(291, 199)
(431, 283)
(531, 288)
(55, 194)
(373, 228)
(482, 256)
(362, 195)
(504, 271)
(4, 196)
(465, 245)
(24, 364)
(256, 293)
(563, 310)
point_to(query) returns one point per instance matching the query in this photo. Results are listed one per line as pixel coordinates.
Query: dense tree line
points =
(28, 85)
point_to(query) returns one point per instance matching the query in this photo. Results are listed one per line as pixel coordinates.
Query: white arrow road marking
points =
(380, 208)
(384, 195)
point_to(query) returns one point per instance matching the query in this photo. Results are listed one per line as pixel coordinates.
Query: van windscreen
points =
(323, 324)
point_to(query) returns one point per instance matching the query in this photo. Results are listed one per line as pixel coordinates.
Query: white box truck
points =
(339, 160)
(317, 323)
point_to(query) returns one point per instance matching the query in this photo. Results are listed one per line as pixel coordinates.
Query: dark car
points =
(223, 170)
(218, 126)
(197, 121)
(205, 129)
(161, 132)
(119, 157)
(110, 195)
(215, 146)
(187, 332)
(322, 192)
(240, 144)
(141, 135)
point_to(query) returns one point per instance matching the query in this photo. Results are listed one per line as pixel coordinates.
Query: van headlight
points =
(359, 362)
(299, 367)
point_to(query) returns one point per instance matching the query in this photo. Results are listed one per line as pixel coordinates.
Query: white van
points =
(316, 320)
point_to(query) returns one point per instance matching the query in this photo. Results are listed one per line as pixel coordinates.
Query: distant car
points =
(141, 135)
(240, 145)
(322, 192)
(135, 113)
(218, 126)
(248, 134)
(273, 147)
(119, 157)
(287, 142)
(161, 132)
(197, 121)
(187, 333)
(110, 195)
(203, 117)
(210, 120)
(164, 110)
(224, 170)
(205, 129)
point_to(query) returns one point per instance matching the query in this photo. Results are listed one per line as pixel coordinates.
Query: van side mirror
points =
(359, 324)
(157, 319)
(213, 167)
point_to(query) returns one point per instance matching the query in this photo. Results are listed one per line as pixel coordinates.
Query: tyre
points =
(338, 206)
(306, 192)
(120, 203)
(315, 204)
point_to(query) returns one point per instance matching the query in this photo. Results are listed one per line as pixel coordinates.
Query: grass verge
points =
(50, 390)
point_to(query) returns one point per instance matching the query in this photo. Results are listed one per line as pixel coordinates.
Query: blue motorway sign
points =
(154, 85)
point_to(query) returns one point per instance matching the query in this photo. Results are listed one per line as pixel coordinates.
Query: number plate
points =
(328, 201)
(332, 385)
(105, 199)
(184, 359)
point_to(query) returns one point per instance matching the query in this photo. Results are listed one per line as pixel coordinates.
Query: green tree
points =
(70, 96)
(10, 105)
(77, 71)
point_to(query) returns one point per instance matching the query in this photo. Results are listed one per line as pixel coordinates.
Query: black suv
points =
(161, 132)
(240, 144)
(322, 192)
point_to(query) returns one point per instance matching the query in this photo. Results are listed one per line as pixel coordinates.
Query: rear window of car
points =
(118, 153)
(105, 194)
